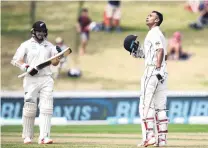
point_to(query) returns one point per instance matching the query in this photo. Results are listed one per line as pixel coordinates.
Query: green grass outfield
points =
(107, 136)
(124, 129)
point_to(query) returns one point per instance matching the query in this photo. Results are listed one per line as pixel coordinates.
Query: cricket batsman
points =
(152, 107)
(36, 83)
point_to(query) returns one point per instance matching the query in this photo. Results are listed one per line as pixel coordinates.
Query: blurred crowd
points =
(111, 22)
(200, 7)
(175, 50)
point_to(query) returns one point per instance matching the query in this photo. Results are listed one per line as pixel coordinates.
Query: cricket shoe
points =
(45, 140)
(140, 144)
(162, 142)
(27, 140)
(150, 141)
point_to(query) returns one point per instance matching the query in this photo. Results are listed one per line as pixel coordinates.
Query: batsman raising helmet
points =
(152, 106)
(37, 83)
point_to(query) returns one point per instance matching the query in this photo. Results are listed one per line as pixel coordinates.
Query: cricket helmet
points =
(39, 26)
(129, 43)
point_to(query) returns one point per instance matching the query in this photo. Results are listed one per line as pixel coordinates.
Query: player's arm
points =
(18, 58)
(160, 55)
(20, 64)
(18, 61)
(159, 49)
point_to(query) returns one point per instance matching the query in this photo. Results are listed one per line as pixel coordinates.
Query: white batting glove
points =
(24, 67)
(137, 51)
(31, 70)
(138, 54)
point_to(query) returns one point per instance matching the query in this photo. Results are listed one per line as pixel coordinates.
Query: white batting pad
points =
(29, 113)
(149, 123)
(162, 121)
(141, 110)
(162, 126)
(45, 122)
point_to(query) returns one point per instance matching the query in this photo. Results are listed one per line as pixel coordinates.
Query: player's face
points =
(151, 19)
(40, 35)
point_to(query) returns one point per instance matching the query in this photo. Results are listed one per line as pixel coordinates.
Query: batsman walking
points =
(152, 107)
(37, 83)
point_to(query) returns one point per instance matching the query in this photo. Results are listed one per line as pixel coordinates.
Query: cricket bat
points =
(48, 62)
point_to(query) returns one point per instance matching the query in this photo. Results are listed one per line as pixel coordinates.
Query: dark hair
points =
(84, 10)
(160, 16)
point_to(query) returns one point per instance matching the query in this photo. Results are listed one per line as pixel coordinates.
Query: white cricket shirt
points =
(153, 41)
(35, 53)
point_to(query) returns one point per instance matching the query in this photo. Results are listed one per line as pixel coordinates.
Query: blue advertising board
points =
(101, 108)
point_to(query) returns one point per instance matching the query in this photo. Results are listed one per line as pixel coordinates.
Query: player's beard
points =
(40, 36)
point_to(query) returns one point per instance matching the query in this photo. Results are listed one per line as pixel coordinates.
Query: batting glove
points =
(58, 49)
(32, 71)
(137, 52)
(159, 75)
(24, 67)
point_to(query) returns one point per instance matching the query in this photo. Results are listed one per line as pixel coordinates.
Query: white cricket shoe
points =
(27, 140)
(45, 140)
(161, 143)
(150, 141)
(140, 144)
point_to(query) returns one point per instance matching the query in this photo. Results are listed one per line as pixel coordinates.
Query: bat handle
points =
(22, 75)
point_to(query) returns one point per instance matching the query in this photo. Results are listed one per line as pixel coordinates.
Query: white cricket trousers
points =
(37, 87)
(153, 95)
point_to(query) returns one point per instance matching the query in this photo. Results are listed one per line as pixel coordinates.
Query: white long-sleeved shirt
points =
(35, 53)
(153, 41)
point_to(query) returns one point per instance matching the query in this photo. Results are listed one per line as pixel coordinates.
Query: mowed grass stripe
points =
(128, 129)
(69, 145)
(113, 142)
(185, 136)
(113, 135)
(97, 137)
